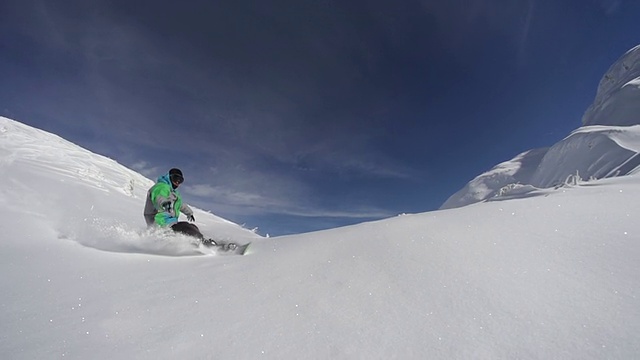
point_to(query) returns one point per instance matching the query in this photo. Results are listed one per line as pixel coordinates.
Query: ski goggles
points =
(176, 179)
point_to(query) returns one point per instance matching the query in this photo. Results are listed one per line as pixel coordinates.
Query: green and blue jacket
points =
(164, 203)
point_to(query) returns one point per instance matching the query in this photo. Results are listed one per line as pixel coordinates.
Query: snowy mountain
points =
(606, 146)
(550, 274)
(617, 100)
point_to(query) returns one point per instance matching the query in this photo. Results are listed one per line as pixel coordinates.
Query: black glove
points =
(191, 218)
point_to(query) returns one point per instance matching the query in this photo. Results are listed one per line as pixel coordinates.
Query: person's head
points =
(176, 178)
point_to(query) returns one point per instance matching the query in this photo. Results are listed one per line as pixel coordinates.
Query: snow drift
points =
(593, 151)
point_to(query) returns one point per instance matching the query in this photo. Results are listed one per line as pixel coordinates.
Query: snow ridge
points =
(606, 146)
(617, 100)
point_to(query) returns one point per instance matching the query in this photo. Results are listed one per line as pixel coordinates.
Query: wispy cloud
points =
(246, 203)
(146, 169)
(610, 7)
(255, 137)
(155, 98)
(231, 196)
(464, 25)
(356, 213)
(526, 28)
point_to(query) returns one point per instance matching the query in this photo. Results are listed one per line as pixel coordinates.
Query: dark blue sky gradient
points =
(300, 115)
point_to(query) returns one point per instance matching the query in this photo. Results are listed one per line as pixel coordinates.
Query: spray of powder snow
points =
(123, 238)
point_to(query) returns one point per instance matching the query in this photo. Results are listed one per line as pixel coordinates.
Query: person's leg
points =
(186, 228)
(149, 219)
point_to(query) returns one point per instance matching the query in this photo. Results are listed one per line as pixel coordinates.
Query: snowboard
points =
(222, 247)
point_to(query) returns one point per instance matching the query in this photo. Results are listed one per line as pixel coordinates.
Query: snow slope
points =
(551, 276)
(487, 185)
(592, 151)
(79, 193)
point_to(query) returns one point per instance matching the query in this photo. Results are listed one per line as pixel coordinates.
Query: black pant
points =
(186, 228)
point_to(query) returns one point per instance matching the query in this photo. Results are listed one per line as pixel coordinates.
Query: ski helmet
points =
(175, 175)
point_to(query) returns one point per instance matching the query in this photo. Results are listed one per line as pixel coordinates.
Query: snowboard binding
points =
(216, 245)
(219, 244)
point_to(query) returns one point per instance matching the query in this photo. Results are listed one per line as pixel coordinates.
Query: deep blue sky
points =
(297, 115)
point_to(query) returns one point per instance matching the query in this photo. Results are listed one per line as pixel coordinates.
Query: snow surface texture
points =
(605, 147)
(549, 274)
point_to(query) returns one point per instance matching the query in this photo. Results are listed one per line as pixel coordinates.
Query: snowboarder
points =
(164, 204)
(163, 207)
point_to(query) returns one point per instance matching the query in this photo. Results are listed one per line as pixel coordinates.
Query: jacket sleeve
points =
(185, 209)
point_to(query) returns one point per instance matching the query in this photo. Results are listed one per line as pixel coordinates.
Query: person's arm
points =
(185, 209)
